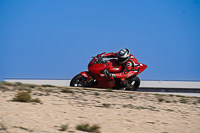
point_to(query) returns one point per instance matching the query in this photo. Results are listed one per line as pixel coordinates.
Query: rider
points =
(129, 64)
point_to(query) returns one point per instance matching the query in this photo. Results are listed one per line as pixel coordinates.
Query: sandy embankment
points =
(114, 112)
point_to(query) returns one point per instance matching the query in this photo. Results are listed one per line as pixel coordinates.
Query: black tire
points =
(78, 81)
(135, 83)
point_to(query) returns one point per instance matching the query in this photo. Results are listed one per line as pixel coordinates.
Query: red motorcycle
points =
(97, 77)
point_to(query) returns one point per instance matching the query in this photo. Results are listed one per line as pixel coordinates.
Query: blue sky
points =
(49, 39)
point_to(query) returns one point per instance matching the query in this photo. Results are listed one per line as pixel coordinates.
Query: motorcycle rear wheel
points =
(78, 81)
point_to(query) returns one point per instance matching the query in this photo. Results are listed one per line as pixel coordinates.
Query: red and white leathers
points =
(130, 67)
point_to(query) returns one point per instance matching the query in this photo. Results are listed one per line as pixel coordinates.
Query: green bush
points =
(128, 106)
(3, 88)
(63, 127)
(7, 83)
(159, 95)
(106, 105)
(198, 101)
(83, 127)
(168, 101)
(109, 90)
(86, 127)
(23, 128)
(48, 86)
(22, 97)
(35, 100)
(179, 96)
(2, 127)
(95, 128)
(23, 88)
(183, 100)
(194, 103)
(25, 97)
(170, 110)
(96, 94)
(67, 90)
(18, 83)
(40, 89)
(30, 85)
(161, 99)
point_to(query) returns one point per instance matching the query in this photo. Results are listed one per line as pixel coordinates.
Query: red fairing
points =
(114, 67)
(111, 55)
(96, 68)
(142, 68)
(87, 74)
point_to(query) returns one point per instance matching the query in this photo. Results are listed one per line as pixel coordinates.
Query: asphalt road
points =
(175, 93)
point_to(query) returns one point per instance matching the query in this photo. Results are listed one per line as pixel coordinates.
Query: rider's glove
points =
(111, 75)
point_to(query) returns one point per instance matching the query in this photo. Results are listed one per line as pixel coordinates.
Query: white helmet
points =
(123, 56)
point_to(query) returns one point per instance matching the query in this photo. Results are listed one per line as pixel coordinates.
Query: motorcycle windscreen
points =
(142, 68)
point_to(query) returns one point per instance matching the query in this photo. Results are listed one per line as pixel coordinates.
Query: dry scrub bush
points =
(63, 128)
(7, 83)
(48, 85)
(96, 94)
(22, 97)
(86, 127)
(3, 88)
(2, 127)
(67, 90)
(25, 97)
(23, 88)
(161, 99)
(106, 105)
(109, 90)
(183, 100)
(35, 100)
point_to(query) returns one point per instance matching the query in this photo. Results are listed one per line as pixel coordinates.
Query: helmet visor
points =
(122, 60)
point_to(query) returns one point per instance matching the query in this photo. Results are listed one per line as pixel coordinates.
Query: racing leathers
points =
(130, 67)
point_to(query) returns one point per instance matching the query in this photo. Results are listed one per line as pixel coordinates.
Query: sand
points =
(113, 112)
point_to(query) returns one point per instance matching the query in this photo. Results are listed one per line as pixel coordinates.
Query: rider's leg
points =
(130, 74)
(120, 83)
(128, 77)
(123, 82)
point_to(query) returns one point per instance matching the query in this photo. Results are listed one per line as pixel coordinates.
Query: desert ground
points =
(111, 110)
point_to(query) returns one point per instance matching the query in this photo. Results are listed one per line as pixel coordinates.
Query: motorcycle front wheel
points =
(78, 81)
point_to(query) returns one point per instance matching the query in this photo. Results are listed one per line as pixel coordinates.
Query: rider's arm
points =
(131, 68)
(110, 55)
(125, 71)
